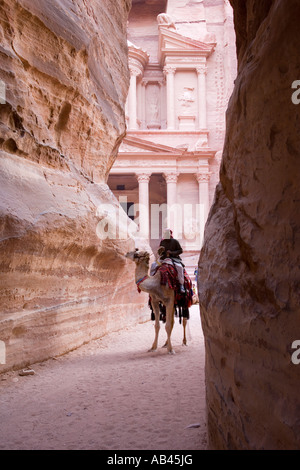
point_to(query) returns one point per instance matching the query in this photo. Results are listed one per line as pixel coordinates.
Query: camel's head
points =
(138, 256)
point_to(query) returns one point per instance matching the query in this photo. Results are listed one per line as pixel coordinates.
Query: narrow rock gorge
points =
(249, 279)
(62, 120)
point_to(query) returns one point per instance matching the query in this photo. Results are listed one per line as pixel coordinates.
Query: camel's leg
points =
(169, 326)
(167, 340)
(184, 322)
(155, 306)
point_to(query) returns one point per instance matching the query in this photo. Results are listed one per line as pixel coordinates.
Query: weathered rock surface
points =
(249, 278)
(66, 84)
(61, 125)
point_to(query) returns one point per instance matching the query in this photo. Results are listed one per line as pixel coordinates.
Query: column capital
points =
(134, 71)
(143, 177)
(203, 177)
(171, 177)
(201, 69)
(170, 69)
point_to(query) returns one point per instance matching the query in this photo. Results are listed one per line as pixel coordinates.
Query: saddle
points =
(182, 302)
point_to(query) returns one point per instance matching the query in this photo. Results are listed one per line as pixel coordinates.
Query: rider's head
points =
(168, 233)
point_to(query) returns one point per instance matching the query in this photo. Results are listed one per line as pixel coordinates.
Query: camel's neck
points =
(141, 271)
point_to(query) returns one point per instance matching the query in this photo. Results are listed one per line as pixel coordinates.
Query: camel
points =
(158, 293)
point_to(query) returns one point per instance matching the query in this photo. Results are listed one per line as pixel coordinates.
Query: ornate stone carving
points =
(170, 69)
(137, 56)
(201, 143)
(201, 69)
(171, 177)
(186, 99)
(203, 177)
(134, 71)
(166, 21)
(153, 106)
(143, 177)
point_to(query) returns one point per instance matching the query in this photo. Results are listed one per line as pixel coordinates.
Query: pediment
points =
(126, 148)
(173, 43)
(136, 145)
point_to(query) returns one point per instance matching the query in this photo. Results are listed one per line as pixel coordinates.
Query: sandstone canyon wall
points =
(61, 125)
(249, 278)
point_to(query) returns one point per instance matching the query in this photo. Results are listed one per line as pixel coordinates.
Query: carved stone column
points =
(134, 73)
(144, 85)
(160, 84)
(143, 180)
(203, 181)
(172, 219)
(137, 61)
(201, 72)
(170, 77)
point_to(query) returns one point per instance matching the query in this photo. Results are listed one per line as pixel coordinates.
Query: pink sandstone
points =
(182, 65)
(61, 127)
(249, 265)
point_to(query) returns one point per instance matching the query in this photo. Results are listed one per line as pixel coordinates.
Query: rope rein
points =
(140, 282)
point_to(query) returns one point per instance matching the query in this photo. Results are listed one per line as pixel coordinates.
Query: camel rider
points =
(172, 250)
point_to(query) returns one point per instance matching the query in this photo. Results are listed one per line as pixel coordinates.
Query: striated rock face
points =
(61, 125)
(66, 84)
(249, 277)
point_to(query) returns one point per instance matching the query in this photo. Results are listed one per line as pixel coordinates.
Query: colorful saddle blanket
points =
(168, 276)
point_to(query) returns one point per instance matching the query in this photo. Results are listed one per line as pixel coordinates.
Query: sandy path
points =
(111, 394)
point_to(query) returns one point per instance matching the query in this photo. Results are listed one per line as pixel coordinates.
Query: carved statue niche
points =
(153, 106)
(187, 99)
